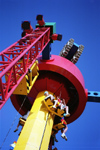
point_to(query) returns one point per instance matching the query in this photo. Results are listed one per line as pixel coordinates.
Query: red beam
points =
(18, 58)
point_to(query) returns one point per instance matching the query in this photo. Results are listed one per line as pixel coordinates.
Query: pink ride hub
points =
(61, 77)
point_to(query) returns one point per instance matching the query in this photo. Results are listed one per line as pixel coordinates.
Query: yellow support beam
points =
(28, 81)
(37, 130)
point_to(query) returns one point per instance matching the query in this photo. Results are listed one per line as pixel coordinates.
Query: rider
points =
(46, 93)
(62, 105)
(65, 129)
(65, 107)
(24, 117)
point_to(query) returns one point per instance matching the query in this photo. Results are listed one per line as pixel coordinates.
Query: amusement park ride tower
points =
(25, 75)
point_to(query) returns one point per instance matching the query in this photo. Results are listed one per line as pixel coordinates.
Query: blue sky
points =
(77, 19)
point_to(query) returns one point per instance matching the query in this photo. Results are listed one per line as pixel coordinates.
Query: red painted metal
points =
(61, 77)
(40, 20)
(18, 58)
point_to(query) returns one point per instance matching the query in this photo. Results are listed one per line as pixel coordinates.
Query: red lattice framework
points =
(18, 58)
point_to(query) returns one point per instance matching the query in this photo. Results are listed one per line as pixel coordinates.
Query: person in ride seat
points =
(24, 117)
(60, 124)
(46, 93)
(62, 105)
(65, 107)
(57, 103)
(65, 129)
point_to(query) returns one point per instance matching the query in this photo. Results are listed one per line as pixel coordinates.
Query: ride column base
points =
(37, 130)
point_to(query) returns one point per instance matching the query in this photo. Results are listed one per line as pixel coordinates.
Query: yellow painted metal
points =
(21, 88)
(33, 80)
(28, 81)
(30, 77)
(35, 68)
(33, 72)
(37, 130)
(58, 126)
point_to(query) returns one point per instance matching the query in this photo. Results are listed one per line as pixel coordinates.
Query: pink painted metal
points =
(61, 77)
(18, 58)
